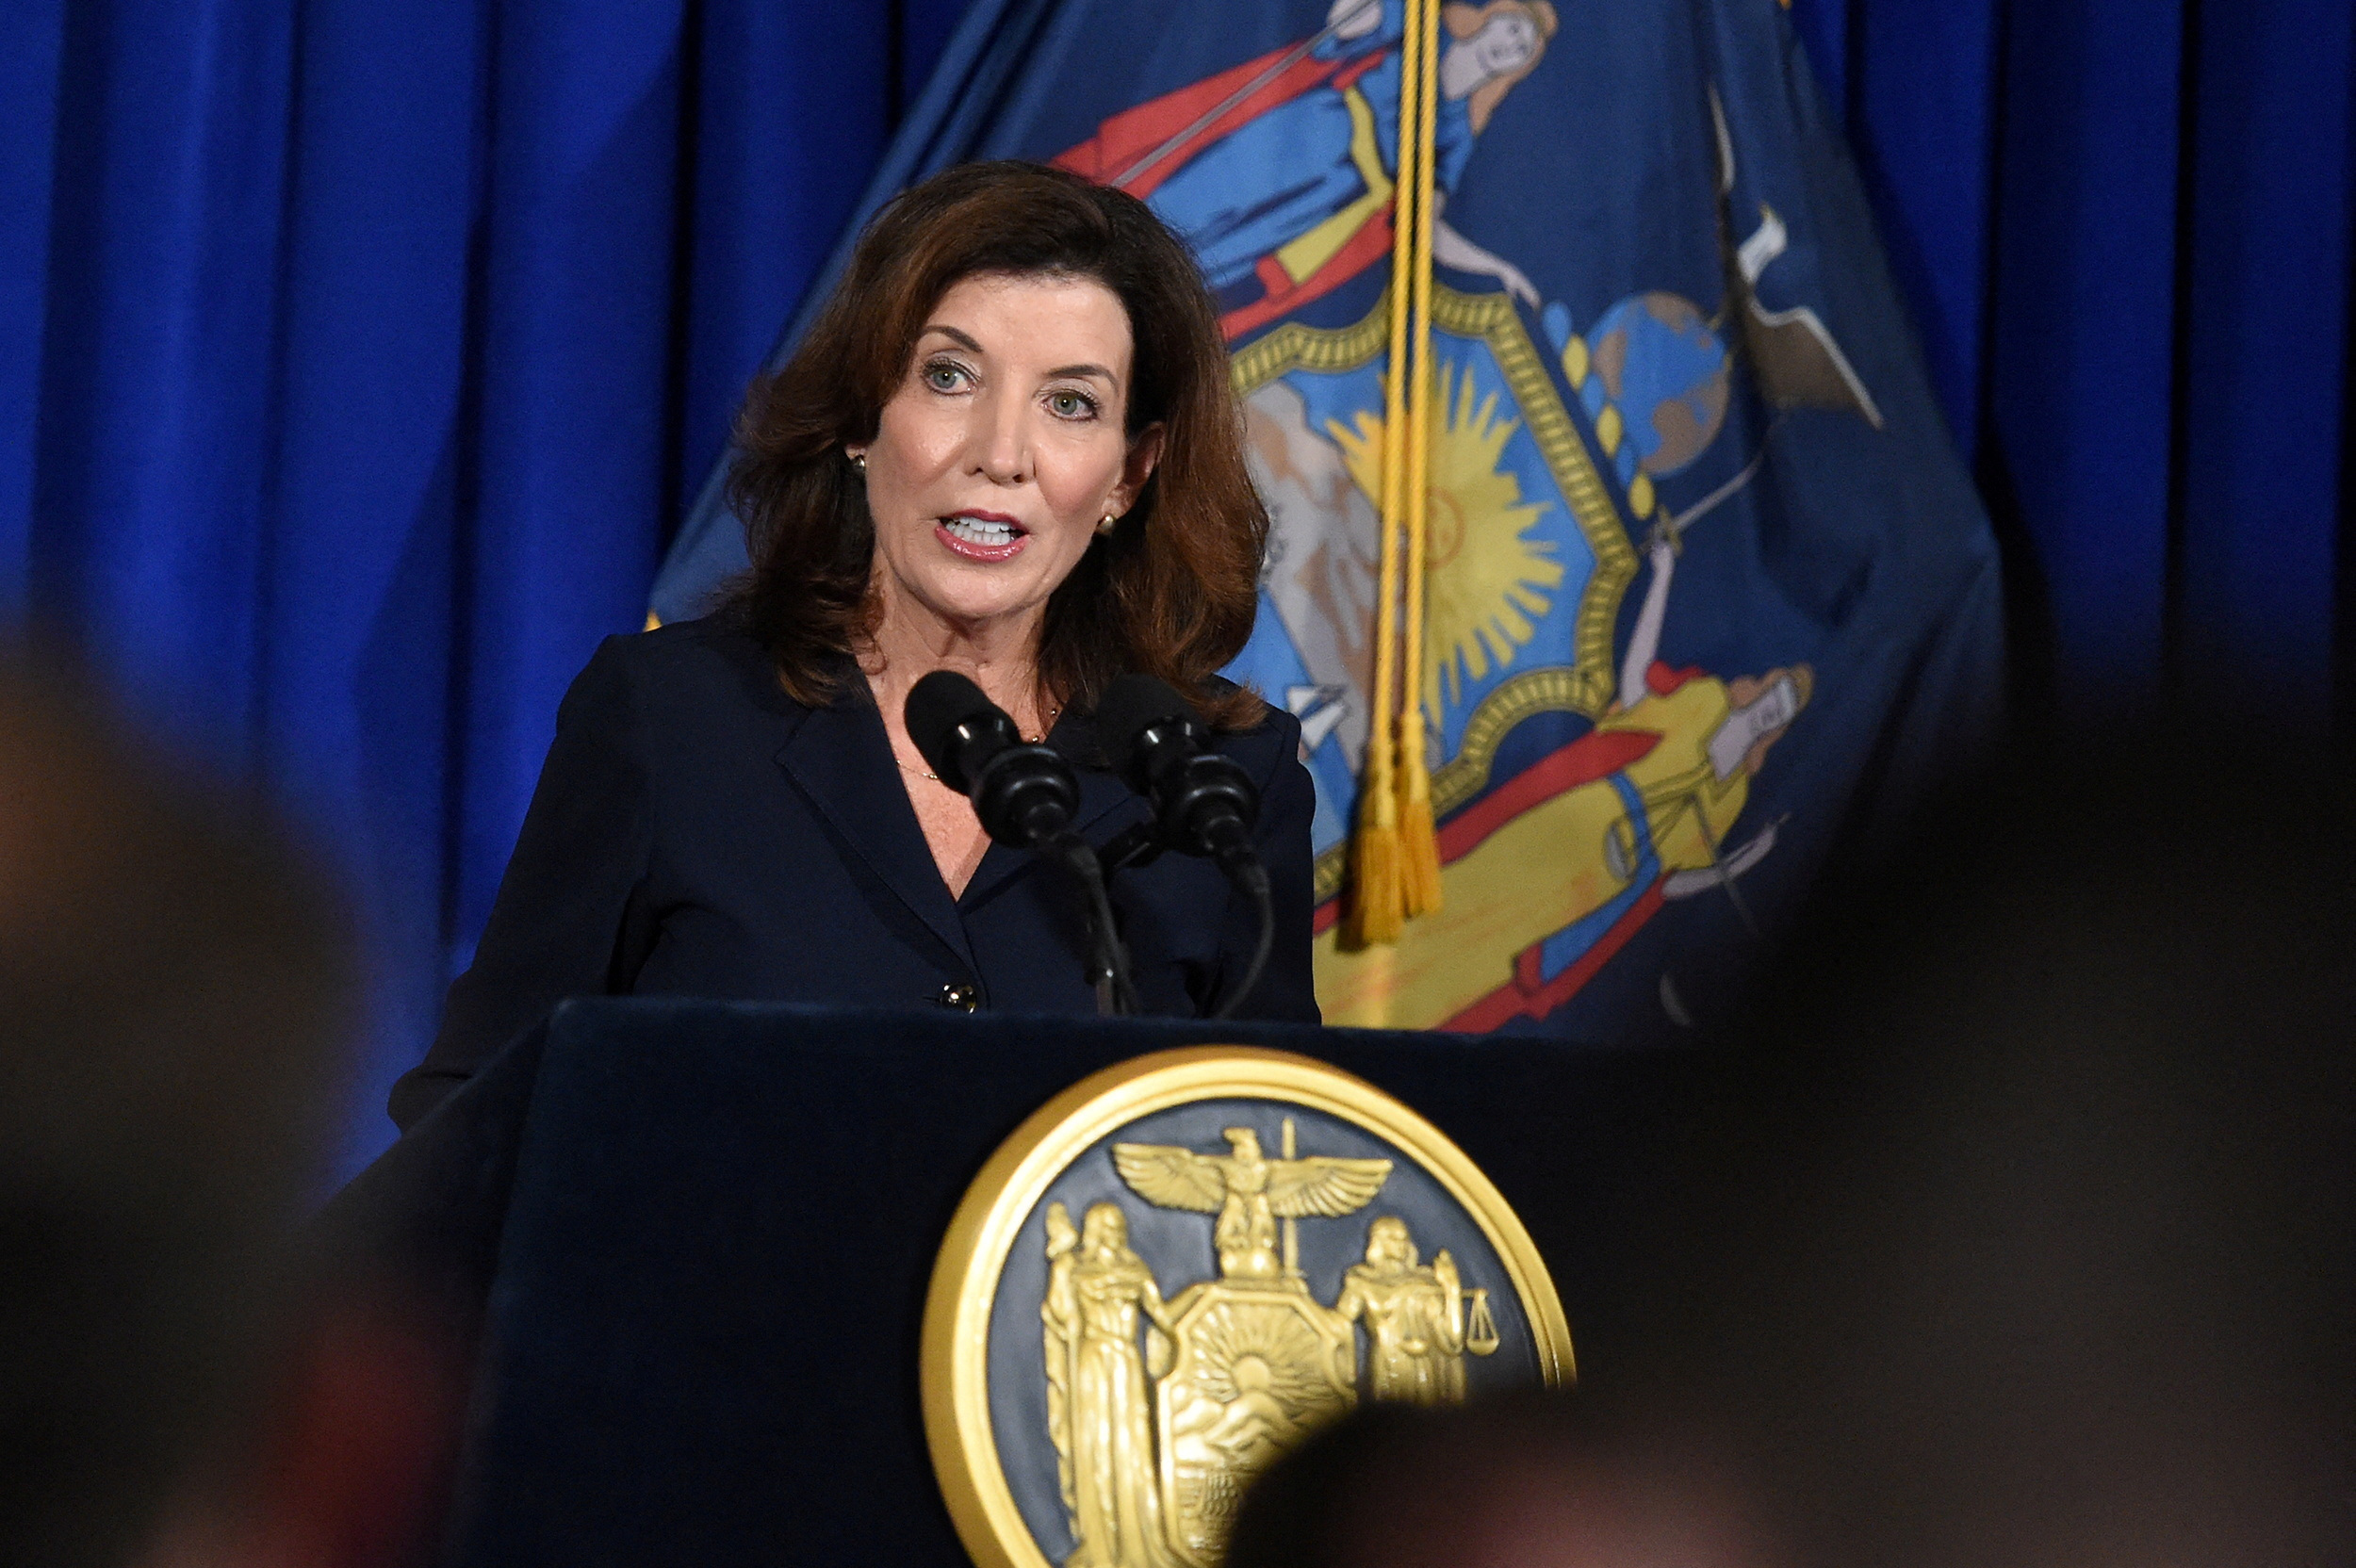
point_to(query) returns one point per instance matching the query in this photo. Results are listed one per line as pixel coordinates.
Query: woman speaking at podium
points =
(1007, 448)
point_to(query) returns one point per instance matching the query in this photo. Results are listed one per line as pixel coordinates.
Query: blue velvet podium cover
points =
(704, 1231)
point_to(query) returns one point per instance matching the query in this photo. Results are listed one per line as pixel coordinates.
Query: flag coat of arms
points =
(1703, 587)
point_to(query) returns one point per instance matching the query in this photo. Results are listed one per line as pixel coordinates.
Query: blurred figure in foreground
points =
(174, 987)
(2018, 1228)
(1540, 1480)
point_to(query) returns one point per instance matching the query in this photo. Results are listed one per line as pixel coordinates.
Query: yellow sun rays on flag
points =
(1488, 583)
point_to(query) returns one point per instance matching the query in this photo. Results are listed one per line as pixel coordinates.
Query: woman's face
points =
(1002, 448)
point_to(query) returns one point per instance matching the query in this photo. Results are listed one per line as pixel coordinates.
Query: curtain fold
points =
(354, 361)
(2125, 230)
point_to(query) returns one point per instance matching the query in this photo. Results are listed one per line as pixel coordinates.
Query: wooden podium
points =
(701, 1236)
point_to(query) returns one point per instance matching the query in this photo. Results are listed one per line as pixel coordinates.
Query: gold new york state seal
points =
(1089, 1404)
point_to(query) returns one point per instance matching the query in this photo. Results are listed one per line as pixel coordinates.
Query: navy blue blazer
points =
(697, 832)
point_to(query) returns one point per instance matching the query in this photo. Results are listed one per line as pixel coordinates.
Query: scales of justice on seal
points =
(1179, 1269)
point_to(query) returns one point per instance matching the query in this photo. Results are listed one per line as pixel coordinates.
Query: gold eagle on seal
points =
(1249, 1192)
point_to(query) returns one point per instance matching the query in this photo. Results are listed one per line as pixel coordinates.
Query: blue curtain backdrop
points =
(2125, 229)
(358, 361)
(354, 357)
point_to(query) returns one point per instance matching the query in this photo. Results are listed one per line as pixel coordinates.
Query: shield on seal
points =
(1258, 1368)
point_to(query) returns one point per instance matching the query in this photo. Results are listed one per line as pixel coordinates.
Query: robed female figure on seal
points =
(1097, 1288)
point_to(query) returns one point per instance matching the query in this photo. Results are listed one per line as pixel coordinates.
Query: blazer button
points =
(964, 998)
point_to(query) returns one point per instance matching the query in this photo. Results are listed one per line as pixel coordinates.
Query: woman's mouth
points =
(981, 536)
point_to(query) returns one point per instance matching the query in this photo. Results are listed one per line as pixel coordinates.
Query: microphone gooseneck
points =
(1204, 803)
(1025, 796)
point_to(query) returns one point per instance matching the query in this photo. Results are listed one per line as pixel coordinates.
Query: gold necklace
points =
(1038, 738)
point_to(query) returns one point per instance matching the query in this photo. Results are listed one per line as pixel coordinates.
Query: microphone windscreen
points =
(1134, 703)
(936, 706)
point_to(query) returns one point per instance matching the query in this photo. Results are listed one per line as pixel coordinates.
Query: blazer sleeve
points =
(568, 920)
(1287, 990)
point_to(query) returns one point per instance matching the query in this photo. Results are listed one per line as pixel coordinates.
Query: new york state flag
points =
(1706, 589)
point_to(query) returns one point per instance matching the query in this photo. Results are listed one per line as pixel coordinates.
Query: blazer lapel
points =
(1101, 794)
(841, 760)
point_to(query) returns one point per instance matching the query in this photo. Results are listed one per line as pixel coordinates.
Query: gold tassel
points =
(1374, 913)
(1418, 839)
(1418, 844)
(1418, 851)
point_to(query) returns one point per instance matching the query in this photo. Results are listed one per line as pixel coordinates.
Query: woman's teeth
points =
(974, 532)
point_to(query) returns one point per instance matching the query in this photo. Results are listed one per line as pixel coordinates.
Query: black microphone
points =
(1024, 793)
(1203, 802)
(1025, 796)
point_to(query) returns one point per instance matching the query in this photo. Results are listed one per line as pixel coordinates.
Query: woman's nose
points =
(1001, 441)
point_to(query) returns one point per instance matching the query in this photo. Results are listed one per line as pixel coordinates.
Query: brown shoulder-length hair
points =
(1170, 591)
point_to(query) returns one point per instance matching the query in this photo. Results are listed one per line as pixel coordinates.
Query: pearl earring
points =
(1106, 526)
(858, 459)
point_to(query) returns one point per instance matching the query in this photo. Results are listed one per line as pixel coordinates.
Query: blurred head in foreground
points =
(1531, 1482)
(173, 986)
(2016, 1227)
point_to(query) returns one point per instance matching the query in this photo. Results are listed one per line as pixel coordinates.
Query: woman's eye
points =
(1071, 405)
(942, 376)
